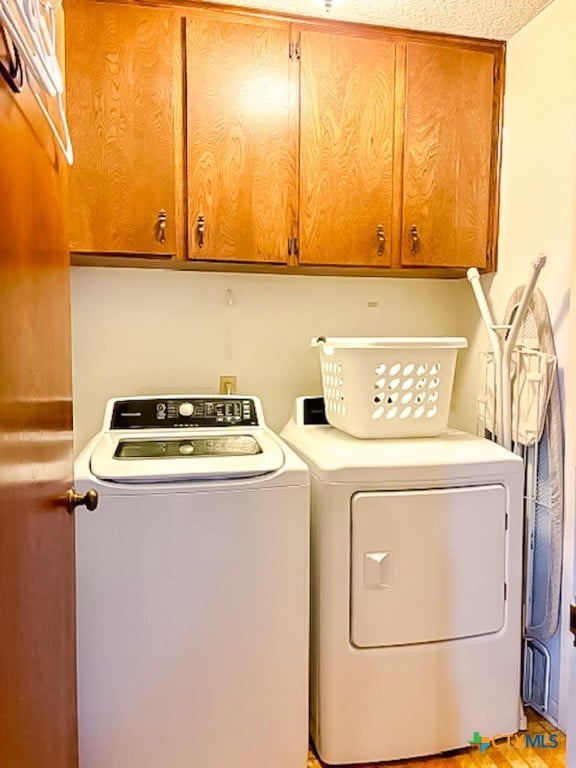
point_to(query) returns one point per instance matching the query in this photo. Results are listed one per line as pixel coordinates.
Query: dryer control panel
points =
(184, 412)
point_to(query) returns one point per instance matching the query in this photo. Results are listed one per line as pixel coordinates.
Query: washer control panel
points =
(182, 412)
(190, 447)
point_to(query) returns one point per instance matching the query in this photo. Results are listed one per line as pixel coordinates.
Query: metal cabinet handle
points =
(381, 239)
(201, 230)
(161, 226)
(88, 499)
(415, 239)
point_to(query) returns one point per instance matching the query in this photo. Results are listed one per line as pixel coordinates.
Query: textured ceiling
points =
(495, 19)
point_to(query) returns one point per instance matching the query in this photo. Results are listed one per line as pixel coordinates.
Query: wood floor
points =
(499, 756)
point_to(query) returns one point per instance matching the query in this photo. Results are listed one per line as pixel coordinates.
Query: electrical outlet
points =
(227, 385)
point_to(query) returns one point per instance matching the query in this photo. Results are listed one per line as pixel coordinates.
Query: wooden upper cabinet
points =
(241, 147)
(122, 108)
(346, 149)
(450, 153)
(270, 142)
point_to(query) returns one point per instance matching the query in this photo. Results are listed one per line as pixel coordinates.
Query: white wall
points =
(538, 192)
(144, 331)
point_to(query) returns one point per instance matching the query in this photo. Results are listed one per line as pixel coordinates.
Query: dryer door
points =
(427, 565)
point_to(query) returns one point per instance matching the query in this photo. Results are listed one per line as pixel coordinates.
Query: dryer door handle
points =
(377, 570)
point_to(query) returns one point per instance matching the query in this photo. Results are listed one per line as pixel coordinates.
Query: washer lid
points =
(193, 455)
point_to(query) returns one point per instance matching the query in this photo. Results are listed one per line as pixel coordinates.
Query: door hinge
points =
(292, 246)
(294, 50)
(505, 591)
(573, 621)
(506, 522)
(496, 72)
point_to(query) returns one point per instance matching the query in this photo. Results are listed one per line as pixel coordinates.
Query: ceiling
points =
(495, 19)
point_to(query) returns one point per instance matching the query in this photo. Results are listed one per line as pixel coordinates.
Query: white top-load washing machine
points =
(416, 590)
(192, 589)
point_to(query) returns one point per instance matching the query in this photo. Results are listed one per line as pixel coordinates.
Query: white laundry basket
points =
(388, 387)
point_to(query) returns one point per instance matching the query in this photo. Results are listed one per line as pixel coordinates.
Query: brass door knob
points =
(88, 500)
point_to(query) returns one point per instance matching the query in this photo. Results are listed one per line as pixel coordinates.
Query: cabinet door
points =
(448, 156)
(346, 149)
(241, 167)
(120, 63)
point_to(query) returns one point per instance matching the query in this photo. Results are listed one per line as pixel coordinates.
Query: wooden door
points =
(346, 149)
(37, 635)
(122, 105)
(241, 151)
(448, 156)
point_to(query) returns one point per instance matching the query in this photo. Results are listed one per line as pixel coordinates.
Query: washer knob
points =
(186, 409)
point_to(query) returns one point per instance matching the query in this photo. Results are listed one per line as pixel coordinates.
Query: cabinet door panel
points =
(346, 149)
(241, 167)
(120, 64)
(448, 156)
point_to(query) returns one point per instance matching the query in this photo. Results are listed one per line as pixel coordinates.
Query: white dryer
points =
(192, 589)
(416, 590)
